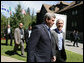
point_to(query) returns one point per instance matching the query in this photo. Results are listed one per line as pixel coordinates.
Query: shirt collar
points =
(58, 31)
(8, 28)
(47, 27)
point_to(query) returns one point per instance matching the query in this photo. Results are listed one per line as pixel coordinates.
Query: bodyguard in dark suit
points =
(26, 35)
(76, 38)
(39, 46)
(8, 35)
(58, 41)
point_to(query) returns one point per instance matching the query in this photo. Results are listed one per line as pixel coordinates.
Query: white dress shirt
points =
(9, 31)
(60, 38)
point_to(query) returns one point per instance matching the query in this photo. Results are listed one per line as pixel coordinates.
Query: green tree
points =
(27, 20)
(33, 19)
(32, 15)
(17, 17)
(3, 24)
(28, 10)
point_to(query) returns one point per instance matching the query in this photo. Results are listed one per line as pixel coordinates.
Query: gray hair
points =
(48, 16)
(59, 20)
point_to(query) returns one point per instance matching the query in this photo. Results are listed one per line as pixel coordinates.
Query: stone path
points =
(9, 59)
(69, 46)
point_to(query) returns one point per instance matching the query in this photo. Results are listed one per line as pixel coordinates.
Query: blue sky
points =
(36, 5)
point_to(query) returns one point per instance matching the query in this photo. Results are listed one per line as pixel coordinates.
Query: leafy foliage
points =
(18, 17)
(3, 24)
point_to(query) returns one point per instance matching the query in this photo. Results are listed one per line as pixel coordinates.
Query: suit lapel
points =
(63, 39)
(45, 29)
(19, 33)
(56, 35)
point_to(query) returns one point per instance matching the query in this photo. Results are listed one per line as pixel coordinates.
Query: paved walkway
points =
(9, 59)
(69, 46)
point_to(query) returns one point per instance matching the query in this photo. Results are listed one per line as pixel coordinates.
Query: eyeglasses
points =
(60, 23)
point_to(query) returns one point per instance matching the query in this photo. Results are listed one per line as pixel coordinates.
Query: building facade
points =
(74, 12)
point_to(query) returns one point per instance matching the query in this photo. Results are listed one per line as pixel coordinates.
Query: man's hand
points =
(17, 43)
(54, 58)
(4, 34)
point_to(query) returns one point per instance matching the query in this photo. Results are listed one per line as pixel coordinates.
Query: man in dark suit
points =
(27, 35)
(76, 38)
(72, 36)
(8, 35)
(58, 41)
(39, 46)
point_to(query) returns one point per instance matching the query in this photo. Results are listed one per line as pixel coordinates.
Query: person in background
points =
(72, 36)
(76, 36)
(58, 41)
(27, 35)
(8, 34)
(19, 39)
(30, 30)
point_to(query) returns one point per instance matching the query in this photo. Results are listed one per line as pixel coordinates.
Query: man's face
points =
(30, 28)
(60, 24)
(21, 25)
(50, 22)
(8, 26)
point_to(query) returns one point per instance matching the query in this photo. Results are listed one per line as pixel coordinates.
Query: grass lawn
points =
(73, 57)
(7, 51)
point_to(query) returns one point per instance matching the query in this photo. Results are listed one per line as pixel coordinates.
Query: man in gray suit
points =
(40, 45)
(19, 39)
(58, 41)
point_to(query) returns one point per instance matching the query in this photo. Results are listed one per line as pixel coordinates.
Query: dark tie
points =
(49, 33)
(21, 31)
(49, 29)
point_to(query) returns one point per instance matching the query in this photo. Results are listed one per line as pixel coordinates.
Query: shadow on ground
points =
(68, 45)
(11, 53)
(3, 43)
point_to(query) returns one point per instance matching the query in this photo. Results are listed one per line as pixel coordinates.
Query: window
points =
(76, 12)
(78, 2)
(72, 12)
(72, 24)
(75, 23)
(52, 8)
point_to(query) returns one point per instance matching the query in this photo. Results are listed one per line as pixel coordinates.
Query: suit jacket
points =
(55, 42)
(17, 35)
(26, 34)
(39, 46)
(6, 32)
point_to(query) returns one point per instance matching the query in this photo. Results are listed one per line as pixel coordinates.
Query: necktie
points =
(21, 31)
(49, 33)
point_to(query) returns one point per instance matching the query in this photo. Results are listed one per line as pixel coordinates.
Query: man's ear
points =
(46, 20)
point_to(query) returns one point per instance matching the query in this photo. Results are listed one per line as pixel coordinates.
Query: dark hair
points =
(48, 16)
